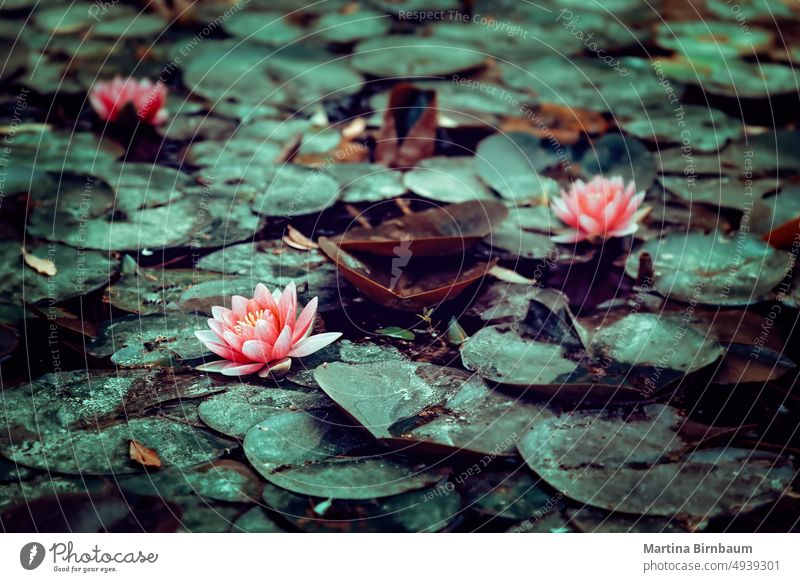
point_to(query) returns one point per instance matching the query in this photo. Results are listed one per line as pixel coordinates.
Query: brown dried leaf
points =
(143, 455)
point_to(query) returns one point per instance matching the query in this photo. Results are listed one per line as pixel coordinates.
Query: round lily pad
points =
(638, 463)
(77, 272)
(317, 453)
(712, 39)
(367, 182)
(653, 340)
(223, 480)
(407, 56)
(444, 408)
(508, 494)
(427, 510)
(701, 128)
(510, 163)
(447, 180)
(351, 26)
(153, 340)
(296, 190)
(616, 155)
(102, 449)
(243, 406)
(712, 268)
(270, 28)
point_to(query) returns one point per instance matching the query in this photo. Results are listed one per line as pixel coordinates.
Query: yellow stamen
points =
(250, 320)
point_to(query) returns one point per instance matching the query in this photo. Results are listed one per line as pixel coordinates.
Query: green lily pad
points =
(224, 480)
(510, 163)
(508, 494)
(101, 449)
(725, 191)
(708, 39)
(447, 180)
(151, 291)
(653, 340)
(296, 190)
(712, 268)
(317, 453)
(242, 406)
(270, 28)
(367, 182)
(588, 83)
(616, 155)
(77, 272)
(351, 26)
(701, 128)
(222, 71)
(745, 80)
(403, 401)
(517, 359)
(427, 510)
(409, 56)
(639, 464)
(153, 340)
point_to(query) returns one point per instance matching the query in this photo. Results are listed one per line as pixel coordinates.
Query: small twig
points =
(358, 216)
(405, 205)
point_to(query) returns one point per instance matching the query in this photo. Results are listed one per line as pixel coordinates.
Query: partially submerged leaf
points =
(144, 455)
(447, 230)
(405, 282)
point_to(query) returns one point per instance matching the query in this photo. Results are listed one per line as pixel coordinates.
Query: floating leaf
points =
(410, 56)
(639, 464)
(412, 285)
(438, 231)
(143, 455)
(713, 269)
(442, 408)
(317, 454)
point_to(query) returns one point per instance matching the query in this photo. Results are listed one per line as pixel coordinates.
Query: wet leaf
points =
(447, 230)
(317, 453)
(713, 269)
(411, 286)
(440, 408)
(639, 464)
(143, 455)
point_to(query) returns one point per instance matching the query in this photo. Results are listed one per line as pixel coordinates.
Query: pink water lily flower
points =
(110, 98)
(262, 334)
(598, 210)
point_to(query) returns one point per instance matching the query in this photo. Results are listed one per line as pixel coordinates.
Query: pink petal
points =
(216, 366)
(304, 320)
(257, 351)
(234, 340)
(218, 328)
(267, 330)
(241, 369)
(207, 336)
(282, 345)
(225, 352)
(287, 306)
(313, 344)
(265, 298)
(569, 237)
(239, 306)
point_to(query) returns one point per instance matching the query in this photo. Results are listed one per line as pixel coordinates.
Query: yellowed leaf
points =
(143, 455)
(38, 264)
